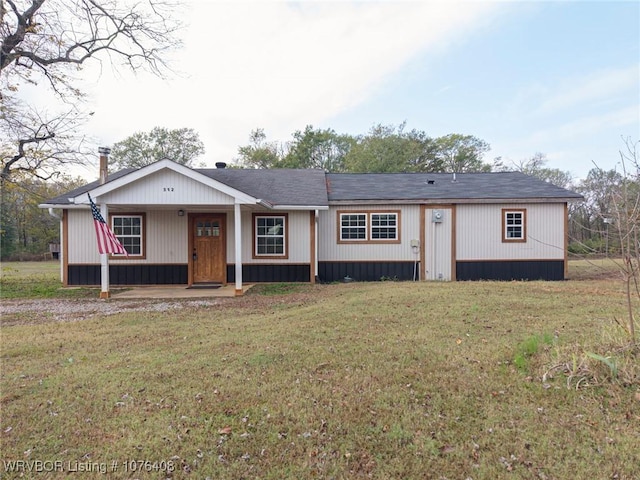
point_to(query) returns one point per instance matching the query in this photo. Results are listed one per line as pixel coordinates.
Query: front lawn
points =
(374, 380)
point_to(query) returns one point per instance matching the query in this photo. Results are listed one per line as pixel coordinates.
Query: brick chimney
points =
(104, 163)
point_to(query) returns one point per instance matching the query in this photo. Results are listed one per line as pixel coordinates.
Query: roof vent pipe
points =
(454, 178)
(221, 165)
(104, 163)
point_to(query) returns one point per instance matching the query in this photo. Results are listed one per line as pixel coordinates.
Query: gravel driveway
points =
(31, 312)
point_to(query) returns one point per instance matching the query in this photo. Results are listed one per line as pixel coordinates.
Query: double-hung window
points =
(514, 225)
(270, 236)
(129, 229)
(353, 226)
(384, 226)
(369, 226)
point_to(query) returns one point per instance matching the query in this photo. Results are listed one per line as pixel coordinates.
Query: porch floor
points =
(180, 291)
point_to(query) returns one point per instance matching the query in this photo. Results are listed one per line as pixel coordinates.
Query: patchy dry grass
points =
(379, 380)
(38, 280)
(595, 268)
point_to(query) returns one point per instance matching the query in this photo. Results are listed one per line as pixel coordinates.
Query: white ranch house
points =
(184, 226)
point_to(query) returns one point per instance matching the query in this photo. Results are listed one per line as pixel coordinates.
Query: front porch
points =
(177, 292)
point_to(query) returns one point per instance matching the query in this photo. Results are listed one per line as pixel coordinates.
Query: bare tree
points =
(626, 216)
(38, 144)
(45, 43)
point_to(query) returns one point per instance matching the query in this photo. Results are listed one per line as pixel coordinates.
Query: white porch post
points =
(61, 259)
(104, 260)
(237, 224)
(317, 249)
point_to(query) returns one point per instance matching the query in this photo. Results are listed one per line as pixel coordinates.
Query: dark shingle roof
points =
(440, 186)
(316, 188)
(278, 186)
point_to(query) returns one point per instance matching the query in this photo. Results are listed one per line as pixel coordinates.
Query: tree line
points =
(27, 230)
(384, 148)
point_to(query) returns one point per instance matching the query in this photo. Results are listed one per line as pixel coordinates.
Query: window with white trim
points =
(129, 231)
(514, 225)
(270, 235)
(369, 226)
(353, 226)
(384, 226)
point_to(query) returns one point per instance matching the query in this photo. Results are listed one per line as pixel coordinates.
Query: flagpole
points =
(104, 209)
(104, 261)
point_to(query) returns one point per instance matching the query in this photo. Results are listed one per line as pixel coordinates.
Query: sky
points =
(559, 78)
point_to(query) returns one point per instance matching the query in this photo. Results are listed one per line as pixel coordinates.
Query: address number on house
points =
(167, 189)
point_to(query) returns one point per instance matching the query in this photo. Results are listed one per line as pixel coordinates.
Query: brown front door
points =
(208, 249)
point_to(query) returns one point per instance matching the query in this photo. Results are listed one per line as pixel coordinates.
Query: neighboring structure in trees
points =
(186, 226)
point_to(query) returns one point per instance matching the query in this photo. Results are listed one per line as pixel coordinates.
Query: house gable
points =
(144, 173)
(166, 187)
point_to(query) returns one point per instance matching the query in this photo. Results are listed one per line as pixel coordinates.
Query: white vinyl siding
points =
(438, 245)
(331, 249)
(479, 232)
(166, 242)
(298, 249)
(166, 187)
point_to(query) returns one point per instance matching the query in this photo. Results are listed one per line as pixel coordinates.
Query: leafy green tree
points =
(385, 148)
(260, 153)
(182, 145)
(320, 149)
(27, 229)
(461, 153)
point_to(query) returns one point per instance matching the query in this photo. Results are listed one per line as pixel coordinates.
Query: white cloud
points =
(279, 66)
(584, 126)
(596, 87)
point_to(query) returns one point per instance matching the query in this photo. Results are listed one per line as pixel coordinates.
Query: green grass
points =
(280, 288)
(38, 280)
(529, 348)
(361, 380)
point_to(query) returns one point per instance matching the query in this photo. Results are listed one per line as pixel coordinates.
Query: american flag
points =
(107, 241)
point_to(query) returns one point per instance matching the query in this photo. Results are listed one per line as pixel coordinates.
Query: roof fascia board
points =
(448, 201)
(300, 207)
(63, 206)
(240, 197)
